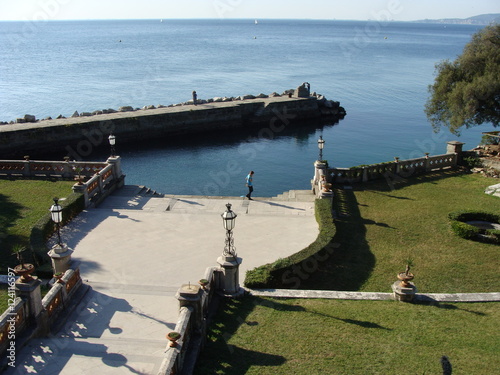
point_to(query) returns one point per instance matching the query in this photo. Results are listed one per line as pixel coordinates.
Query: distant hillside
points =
(483, 19)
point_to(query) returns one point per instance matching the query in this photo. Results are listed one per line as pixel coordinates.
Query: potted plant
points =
(173, 337)
(58, 276)
(406, 276)
(78, 176)
(203, 283)
(23, 270)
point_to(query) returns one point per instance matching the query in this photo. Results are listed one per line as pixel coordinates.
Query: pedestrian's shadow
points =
(279, 205)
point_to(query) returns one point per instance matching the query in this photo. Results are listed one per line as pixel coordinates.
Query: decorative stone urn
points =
(24, 271)
(404, 290)
(173, 337)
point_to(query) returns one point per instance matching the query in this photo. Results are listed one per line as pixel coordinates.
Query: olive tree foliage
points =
(466, 92)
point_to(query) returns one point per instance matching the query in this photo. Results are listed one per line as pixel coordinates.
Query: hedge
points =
(271, 275)
(470, 232)
(45, 227)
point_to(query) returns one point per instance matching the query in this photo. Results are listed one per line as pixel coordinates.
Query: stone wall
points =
(78, 134)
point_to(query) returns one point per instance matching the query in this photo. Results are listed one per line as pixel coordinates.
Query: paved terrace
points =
(135, 251)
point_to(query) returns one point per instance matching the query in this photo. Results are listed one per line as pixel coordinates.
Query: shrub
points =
(464, 230)
(471, 162)
(459, 225)
(474, 216)
(494, 235)
(45, 227)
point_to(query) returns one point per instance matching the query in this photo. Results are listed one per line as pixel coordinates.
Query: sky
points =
(398, 10)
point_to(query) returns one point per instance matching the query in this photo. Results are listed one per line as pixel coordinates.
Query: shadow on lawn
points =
(360, 323)
(429, 301)
(389, 186)
(9, 213)
(221, 355)
(352, 262)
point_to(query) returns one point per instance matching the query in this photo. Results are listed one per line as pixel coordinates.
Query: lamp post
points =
(321, 145)
(229, 261)
(60, 253)
(112, 142)
(56, 213)
(229, 221)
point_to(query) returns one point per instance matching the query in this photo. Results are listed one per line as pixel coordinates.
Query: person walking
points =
(249, 184)
(195, 97)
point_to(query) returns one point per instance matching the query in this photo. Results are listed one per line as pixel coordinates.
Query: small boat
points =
(256, 22)
(161, 21)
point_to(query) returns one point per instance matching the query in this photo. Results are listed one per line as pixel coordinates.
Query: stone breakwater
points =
(80, 133)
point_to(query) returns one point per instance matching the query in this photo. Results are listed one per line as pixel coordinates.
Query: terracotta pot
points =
(405, 278)
(173, 337)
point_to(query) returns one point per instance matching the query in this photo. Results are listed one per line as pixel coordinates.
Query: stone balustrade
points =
(397, 168)
(191, 324)
(102, 177)
(390, 171)
(53, 169)
(29, 316)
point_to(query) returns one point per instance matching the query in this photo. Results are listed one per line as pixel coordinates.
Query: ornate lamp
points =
(56, 214)
(112, 142)
(229, 221)
(321, 145)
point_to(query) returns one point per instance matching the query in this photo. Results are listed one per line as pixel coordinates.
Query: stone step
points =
(296, 196)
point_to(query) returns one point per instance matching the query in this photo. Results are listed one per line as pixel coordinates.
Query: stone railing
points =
(391, 171)
(60, 294)
(29, 316)
(102, 177)
(53, 169)
(12, 322)
(191, 324)
(397, 168)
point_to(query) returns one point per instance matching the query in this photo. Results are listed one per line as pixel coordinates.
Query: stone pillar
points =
(454, 147)
(30, 291)
(117, 168)
(230, 275)
(61, 257)
(404, 293)
(191, 296)
(82, 189)
(319, 170)
(27, 168)
(303, 91)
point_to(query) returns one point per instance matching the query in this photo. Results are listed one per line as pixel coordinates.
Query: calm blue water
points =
(379, 73)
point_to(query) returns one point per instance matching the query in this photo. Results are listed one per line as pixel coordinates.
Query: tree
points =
(466, 92)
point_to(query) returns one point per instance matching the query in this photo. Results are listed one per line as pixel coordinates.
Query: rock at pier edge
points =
(292, 107)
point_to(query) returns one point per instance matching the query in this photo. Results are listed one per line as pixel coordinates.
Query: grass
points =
(378, 228)
(22, 204)
(286, 336)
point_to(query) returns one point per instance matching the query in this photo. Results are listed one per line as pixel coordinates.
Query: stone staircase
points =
(137, 190)
(295, 196)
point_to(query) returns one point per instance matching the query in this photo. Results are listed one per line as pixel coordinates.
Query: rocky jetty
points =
(85, 130)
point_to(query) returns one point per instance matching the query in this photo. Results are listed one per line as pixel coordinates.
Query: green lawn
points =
(378, 228)
(270, 336)
(22, 204)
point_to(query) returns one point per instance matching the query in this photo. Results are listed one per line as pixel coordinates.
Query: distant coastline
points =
(483, 19)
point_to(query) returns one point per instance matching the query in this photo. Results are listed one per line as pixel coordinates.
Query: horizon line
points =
(235, 18)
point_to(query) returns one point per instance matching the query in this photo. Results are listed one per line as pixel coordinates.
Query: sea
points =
(379, 72)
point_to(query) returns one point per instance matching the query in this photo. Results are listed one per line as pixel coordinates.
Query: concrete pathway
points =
(135, 251)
